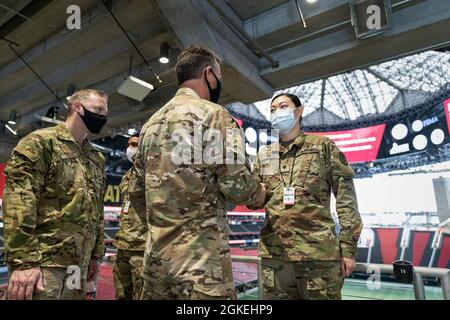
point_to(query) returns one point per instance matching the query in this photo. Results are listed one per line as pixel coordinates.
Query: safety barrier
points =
(419, 272)
(257, 260)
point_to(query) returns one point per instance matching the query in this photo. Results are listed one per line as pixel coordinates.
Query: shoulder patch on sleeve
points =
(31, 147)
(342, 158)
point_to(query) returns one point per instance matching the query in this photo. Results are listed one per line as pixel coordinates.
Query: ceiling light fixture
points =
(135, 88)
(164, 53)
(12, 118)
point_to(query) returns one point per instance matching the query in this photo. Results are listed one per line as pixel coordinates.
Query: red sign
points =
(358, 145)
(447, 113)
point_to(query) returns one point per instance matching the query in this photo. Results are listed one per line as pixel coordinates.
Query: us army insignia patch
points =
(343, 159)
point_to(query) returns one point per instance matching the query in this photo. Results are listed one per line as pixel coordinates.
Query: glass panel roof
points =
(371, 91)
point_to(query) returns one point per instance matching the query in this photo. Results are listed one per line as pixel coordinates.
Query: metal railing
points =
(419, 272)
(257, 260)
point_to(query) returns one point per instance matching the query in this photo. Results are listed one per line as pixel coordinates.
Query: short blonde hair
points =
(82, 95)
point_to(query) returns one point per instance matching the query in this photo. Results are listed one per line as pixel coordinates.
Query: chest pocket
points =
(270, 172)
(70, 175)
(308, 172)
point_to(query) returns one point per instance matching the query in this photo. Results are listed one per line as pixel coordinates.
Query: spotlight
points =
(311, 1)
(12, 118)
(164, 53)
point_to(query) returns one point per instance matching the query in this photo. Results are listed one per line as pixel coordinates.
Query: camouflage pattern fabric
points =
(305, 231)
(187, 248)
(59, 286)
(133, 229)
(150, 292)
(319, 280)
(53, 202)
(127, 274)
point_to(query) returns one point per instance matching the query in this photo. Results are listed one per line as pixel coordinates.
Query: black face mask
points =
(94, 122)
(214, 94)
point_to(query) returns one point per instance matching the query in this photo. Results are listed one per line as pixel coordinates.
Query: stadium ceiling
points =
(381, 89)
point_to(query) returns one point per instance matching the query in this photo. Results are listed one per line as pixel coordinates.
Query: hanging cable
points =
(11, 46)
(130, 66)
(31, 20)
(83, 22)
(131, 40)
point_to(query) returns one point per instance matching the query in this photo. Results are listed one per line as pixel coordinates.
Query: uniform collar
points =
(63, 133)
(187, 91)
(297, 142)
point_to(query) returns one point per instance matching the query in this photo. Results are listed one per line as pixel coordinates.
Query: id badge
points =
(289, 196)
(126, 207)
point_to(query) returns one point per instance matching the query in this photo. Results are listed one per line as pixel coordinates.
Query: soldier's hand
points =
(94, 267)
(23, 283)
(262, 196)
(347, 266)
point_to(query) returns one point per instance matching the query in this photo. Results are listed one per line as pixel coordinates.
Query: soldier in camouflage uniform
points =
(302, 257)
(130, 240)
(187, 254)
(53, 205)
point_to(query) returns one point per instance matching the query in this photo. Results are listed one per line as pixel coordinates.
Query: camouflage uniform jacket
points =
(53, 201)
(133, 229)
(305, 231)
(188, 230)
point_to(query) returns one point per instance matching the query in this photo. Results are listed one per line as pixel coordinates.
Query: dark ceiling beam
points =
(194, 22)
(413, 29)
(58, 40)
(227, 15)
(31, 9)
(63, 75)
(282, 26)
